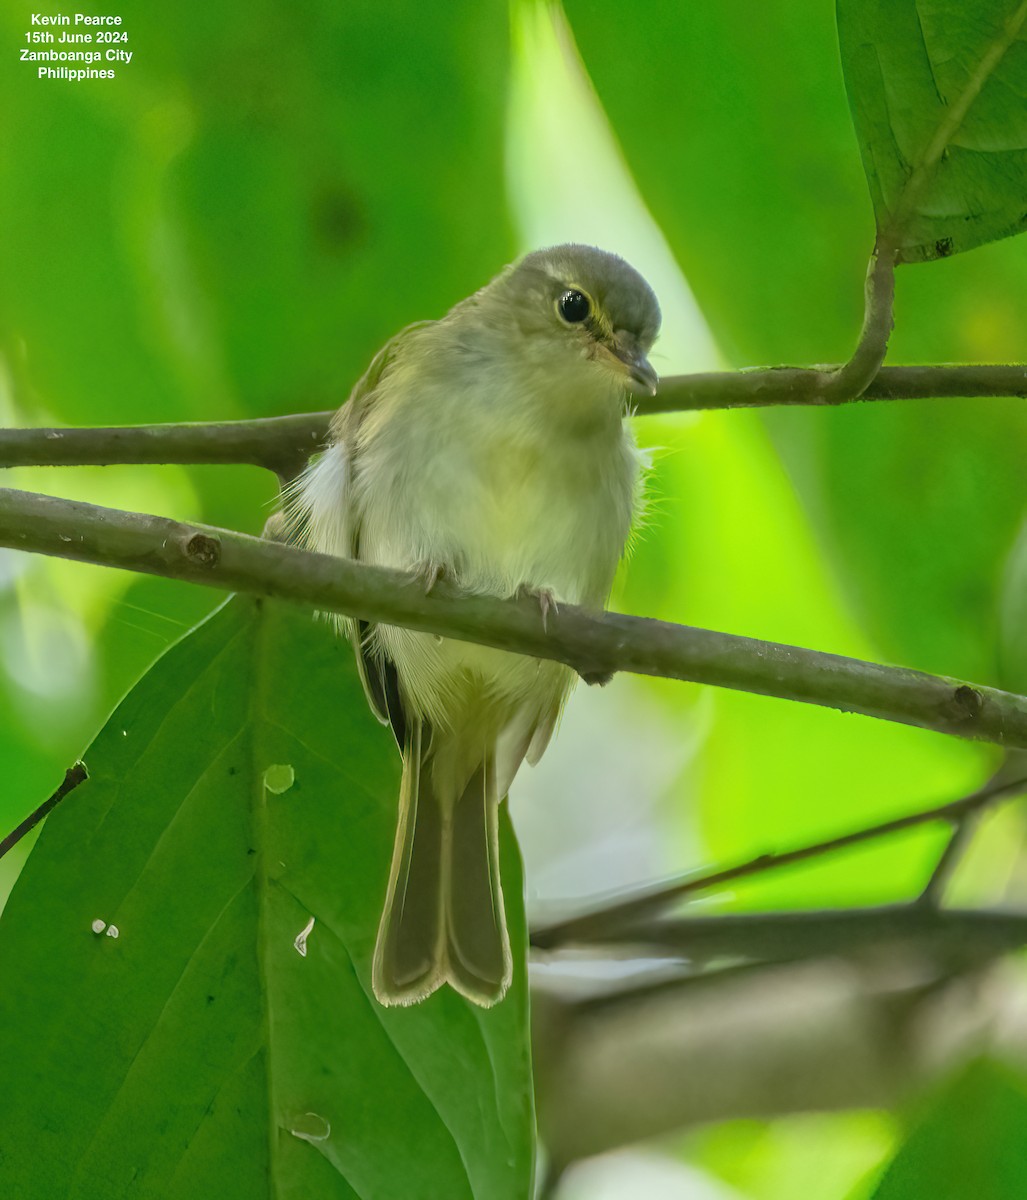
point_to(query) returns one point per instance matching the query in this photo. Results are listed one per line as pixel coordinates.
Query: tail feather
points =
(444, 920)
(478, 948)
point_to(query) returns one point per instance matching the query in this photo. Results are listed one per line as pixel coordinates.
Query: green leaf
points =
(937, 89)
(970, 1143)
(240, 798)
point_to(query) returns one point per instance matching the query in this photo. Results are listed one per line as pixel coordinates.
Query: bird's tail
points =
(444, 920)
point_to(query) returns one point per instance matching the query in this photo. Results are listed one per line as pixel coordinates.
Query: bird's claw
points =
(428, 574)
(546, 599)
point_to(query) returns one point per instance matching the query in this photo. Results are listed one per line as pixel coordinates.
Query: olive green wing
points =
(377, 670)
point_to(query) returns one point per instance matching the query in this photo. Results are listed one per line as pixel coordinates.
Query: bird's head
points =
(577, 301)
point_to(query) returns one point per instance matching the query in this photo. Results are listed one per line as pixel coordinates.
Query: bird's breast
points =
(504, 478)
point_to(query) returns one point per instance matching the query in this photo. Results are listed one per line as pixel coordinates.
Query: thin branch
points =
(282, 443)
(964, 826)
(595, 645)
(72, 778)
(851, 380)
(960, 836)
(767, 387)
(612, 919)
(966, 935)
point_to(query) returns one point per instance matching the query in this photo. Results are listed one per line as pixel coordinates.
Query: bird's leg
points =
(545, 598)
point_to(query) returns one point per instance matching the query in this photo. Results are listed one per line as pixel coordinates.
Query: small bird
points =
(491, 447)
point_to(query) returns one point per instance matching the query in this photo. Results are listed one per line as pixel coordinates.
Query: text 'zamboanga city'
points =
(50, 34)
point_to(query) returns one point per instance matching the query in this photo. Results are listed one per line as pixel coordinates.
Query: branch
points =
(73, 776)
(850, 381)
(815, 1036)
(595, 645)
(611, 920)
(282, 444)
(964, 823)
(766, 387)
(951, 934)
(960, 837)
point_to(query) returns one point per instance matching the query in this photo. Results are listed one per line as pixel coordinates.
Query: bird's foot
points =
(428, 573)
(546, 599)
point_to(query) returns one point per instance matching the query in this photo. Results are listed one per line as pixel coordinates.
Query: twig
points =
(596, 645)
(964, 934)
(612, 919)
(851, 380)
(72, 778)
(767, 387)
(280, 443)
(964, 825)
(960, 836)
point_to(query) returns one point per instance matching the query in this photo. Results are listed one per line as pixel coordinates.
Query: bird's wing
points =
(377, 670)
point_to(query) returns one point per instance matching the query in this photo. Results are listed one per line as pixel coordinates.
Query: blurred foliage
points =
(815, 1155)
(227, 230)
(195, 1038)
(968, 1143)
(267, 193)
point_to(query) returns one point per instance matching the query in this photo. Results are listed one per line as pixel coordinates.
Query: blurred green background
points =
(266, 193)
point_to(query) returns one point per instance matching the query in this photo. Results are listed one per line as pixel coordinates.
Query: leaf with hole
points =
(186, 1007)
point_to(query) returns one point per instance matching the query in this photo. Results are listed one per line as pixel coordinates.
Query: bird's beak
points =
(625, 356)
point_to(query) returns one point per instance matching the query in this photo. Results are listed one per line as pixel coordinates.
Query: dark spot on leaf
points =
(338, 217)
(251, 851)
(943, 247)
(233, 770)
(210, 999)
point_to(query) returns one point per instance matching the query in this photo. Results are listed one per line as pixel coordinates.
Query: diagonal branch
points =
(73, 776)
(595, 645)
(611, 920)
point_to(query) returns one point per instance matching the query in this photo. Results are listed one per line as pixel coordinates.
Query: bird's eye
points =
(574, 306)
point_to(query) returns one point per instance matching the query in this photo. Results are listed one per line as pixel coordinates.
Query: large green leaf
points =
(970, 1143)
(937, 89)
(241, 791)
